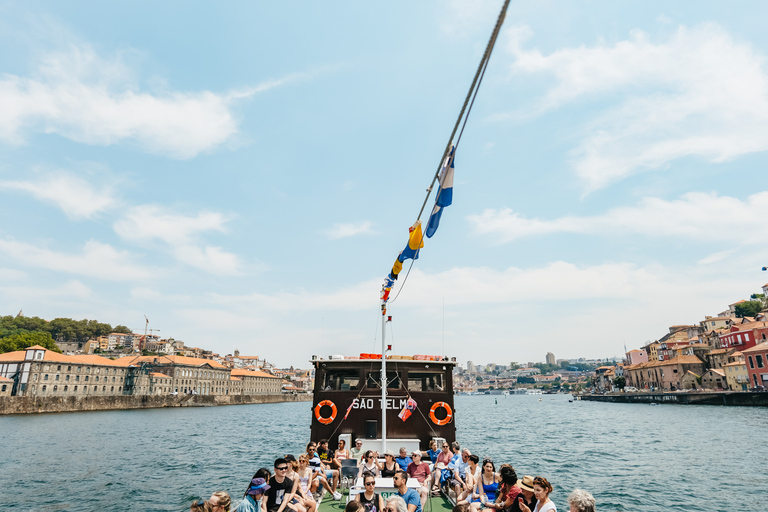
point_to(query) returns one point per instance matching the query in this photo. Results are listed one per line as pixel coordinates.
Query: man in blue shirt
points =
(410, 496)
(403, 460)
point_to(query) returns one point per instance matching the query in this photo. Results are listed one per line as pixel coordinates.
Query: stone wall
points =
(37, 404)
(695, 397)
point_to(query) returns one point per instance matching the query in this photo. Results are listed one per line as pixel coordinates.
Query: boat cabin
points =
(351, 387)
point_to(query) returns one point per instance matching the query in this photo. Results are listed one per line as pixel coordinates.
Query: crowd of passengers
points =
(299, 484)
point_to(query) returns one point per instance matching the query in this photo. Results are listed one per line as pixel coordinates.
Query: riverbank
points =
(37, 404)
(733, 398)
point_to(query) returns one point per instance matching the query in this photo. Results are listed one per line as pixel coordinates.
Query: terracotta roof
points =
(158, 374)
(55, 357)
(756, 348)
(718, 351)
(736, 363)
(739, 302)
(249, 373)
(180, 360)
(235, 378)
(3, 379)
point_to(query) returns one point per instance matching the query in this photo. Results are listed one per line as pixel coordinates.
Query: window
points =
(759, 360)
(44, 386)
(374, 380)
(75, 389)
(97, 378)
(86, 378)
(5, 386)
(46, 377)
(341, 380)
(69, 368)
(426, 381)
(65, 388)
(88, 370)
(58, 368)
(751, 363)
(78, 369)
(77, 378)
(57, 377)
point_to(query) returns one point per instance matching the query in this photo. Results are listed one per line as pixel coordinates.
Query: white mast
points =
(383, 379)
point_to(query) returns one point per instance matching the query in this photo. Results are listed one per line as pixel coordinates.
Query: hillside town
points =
(120, 364)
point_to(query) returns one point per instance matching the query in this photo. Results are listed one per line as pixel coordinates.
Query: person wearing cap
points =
(252, 498)
(356, 452)
(420, 471)
(403, 460)
(390, 467)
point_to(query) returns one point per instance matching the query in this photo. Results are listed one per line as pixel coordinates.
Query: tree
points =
(748, 308)
(122, 329)
(22, 341)
(620, 382)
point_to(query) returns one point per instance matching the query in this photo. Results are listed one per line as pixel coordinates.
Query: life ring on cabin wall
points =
(448, 413)
(328, 420)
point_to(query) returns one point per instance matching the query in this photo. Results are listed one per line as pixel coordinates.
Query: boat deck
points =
(434, 503)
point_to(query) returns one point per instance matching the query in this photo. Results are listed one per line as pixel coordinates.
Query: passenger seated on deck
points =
(403, 460)
(509, 494)
(459, 482)
(342, 452)
(526, 486)
(486, 486)
(442, 461)
(356, 452)
(220, 501)
(281, 490)
(330, 464)
(253, 495)
(317, 468)
(432, 453)
(390, 467)
(541, 490)
(420, 471)
(410, 496)
(370, 499)
(304, 502)
(581, 501)
(369, 465)
(395, 504)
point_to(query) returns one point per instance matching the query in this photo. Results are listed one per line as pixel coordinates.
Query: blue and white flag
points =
(444, 194)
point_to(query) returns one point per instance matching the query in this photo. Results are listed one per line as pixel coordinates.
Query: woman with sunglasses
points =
(442, 461)
(302, 499)
(487, 486)
(508, 491)
(370, 499)
(342, 452)
(390, 467)
(369, 465)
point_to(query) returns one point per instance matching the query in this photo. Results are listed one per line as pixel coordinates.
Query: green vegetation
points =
(748, 308)
(620, 382)
(18, 333)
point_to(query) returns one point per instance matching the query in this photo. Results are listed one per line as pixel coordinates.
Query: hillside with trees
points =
(20, 332)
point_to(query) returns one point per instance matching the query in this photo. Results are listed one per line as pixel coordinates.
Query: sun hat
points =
(389, 452)
(440, 465)
(258, 486)
(416, 452)
(526, 483)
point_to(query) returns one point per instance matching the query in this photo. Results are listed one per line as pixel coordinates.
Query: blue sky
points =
(245, 173)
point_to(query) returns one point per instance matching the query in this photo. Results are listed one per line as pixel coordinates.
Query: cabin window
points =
(341, 380)
(425, 381)
(374, 380)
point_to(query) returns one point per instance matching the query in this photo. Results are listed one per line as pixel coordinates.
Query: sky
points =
(244, 173)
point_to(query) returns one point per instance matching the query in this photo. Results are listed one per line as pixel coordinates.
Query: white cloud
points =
(149, 222)
(97, 260)
(695, 215)
(9, 274)
(92, 100)
(145, 223)
(339, 231)
(33, 296)
(78, 198)
(699, 93)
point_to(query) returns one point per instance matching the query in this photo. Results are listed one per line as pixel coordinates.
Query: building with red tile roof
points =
(757, 364)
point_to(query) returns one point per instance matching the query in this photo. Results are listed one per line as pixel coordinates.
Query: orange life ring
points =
(448, 413)
(326, 421)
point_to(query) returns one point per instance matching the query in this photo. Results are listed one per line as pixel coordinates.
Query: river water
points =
(632, 457)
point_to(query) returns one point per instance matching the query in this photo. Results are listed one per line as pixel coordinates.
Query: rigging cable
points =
(471, 95)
